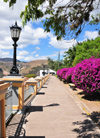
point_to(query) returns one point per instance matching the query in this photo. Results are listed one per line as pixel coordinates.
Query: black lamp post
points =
(15, 34)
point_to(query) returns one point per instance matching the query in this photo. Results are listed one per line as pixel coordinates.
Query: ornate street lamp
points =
(15, 34)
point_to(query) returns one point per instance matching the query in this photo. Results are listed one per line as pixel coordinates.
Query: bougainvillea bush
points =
(86, 75)
(62, 72)
(69, 74)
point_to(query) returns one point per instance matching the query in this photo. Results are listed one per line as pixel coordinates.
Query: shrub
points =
(69, 74)
(62, 72)
(86, 75)
(30, 75)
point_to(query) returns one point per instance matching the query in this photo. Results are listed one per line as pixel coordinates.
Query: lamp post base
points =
(14, 71)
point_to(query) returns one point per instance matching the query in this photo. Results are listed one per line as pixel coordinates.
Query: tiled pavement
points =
(54, 113)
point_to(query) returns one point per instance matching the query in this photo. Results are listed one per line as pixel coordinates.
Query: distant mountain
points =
(27, 67)
(7, 60)
(24, 67)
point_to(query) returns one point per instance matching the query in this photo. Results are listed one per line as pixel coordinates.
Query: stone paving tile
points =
(60, 116)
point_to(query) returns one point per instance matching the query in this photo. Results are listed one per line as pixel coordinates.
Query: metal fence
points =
(8, 100)
(28, 90)
(38, 84)
(11, 98)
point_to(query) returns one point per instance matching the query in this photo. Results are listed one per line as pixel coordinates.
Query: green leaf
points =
(5, 0)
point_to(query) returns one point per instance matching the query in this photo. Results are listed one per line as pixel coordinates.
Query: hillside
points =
(7, 60)
(25, 68)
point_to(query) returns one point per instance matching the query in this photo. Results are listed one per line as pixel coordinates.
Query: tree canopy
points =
(69, 56)
(66, 19)
(84, 50)
(76, 54)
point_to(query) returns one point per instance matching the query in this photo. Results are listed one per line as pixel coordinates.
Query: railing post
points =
(35, 89)
(3, 118)
(3, 89)
(21, 96)
(40, 83)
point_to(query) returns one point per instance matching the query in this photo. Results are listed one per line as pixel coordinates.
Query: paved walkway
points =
(54, 113)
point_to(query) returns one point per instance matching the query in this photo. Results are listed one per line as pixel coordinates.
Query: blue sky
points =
(34, 43)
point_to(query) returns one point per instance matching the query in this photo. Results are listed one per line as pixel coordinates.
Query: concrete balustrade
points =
(13, 94)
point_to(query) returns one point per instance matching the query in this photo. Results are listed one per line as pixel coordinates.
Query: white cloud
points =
(26, 56)
(23, 53)
(39, 33)
(37, 48)
(36, 55)
(96, 5)
(91, 34)
(31, 58)
(8, 16)
(34, 52)
(61, 44)
(31, 36)
(4, 54)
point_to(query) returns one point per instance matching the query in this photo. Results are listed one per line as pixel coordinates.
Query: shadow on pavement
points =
(87, 128)
(95, 116)
(44, 87)
(54, 104)
(34, 109)
(20, 131)
(41, 93)
(30, 109)
(94, 97)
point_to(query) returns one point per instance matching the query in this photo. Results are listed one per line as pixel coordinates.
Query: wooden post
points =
(40, 83)
(3, 118)
(21, 96)
(35, 89)
(3, 89)
(43, 81)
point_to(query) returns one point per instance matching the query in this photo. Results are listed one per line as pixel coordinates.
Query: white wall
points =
(47, 71)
